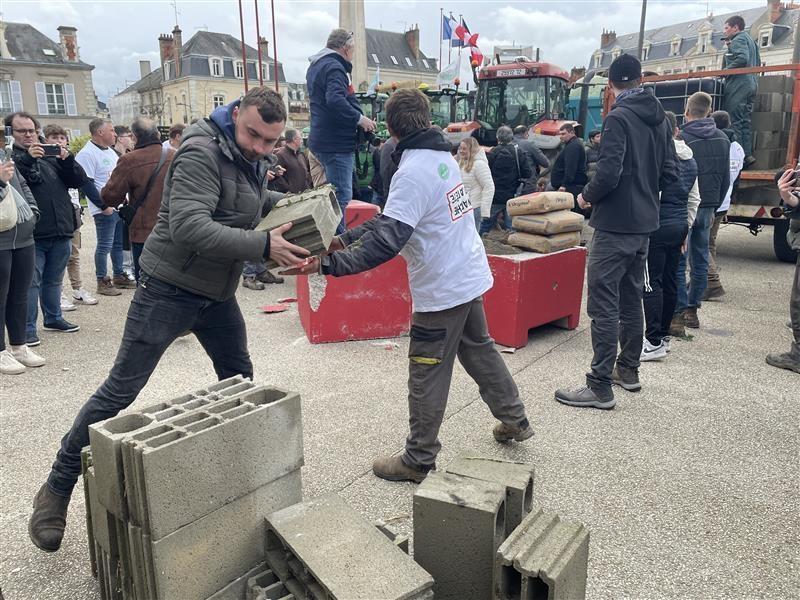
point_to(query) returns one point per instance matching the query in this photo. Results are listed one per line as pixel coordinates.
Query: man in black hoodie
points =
(711, 150)
(637, 161)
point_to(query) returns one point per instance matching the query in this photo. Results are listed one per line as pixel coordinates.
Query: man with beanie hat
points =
(637, 161)
(335, 114)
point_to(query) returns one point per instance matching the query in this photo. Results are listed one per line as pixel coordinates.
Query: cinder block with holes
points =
(516, 477)
(459, 522)
(323, 549)
(545, 558)
(238, 588)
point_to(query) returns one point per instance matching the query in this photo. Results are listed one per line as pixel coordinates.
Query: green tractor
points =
(449, 106)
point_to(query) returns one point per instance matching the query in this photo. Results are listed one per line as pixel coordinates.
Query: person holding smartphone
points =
(789, 188)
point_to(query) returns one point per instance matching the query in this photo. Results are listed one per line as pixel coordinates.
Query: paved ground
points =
(689, 488)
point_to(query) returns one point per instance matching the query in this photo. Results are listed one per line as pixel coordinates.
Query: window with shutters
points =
(239, 69)
(216, 67)
(56, 100)
(265, 71)
(5, 97)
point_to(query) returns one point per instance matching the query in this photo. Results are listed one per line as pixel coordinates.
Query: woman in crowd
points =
(476, 176)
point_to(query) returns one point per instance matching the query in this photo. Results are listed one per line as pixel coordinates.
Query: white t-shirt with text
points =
(447, 263)
(736, 165)
(98, 164)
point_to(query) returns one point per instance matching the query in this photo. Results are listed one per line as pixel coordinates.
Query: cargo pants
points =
(437, 338)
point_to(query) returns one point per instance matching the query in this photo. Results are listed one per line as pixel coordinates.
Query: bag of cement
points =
(540, 202)
(545, 244)
(560, 221)
(314, 215)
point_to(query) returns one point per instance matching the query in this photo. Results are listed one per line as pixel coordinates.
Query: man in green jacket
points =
(214, 195)
(740, 90)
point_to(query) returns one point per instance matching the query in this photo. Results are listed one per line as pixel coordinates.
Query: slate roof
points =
(26, 44)
(661, 38)
(151, 81)
(386, 44)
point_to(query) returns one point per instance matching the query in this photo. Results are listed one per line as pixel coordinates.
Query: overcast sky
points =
(114, 35)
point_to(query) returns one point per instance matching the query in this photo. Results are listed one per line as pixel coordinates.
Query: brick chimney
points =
(263, 45)
(608, 37)
(177, 44)
(412, 39)
(775, 10)
(68, 36)
(165, 48)
(144, 68)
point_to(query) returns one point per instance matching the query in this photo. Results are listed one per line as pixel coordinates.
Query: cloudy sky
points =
(114, 35)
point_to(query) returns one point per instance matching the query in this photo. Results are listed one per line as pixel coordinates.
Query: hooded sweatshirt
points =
(678, 195)
(637, 160)
(334, 109)
(711, 149)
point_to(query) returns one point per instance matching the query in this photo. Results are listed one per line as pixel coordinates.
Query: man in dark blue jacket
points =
(711, 150)
(335, 113)
(637, 160)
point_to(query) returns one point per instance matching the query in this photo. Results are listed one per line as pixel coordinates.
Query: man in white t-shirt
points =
(98, 159)
(428, 220)
(723, 121)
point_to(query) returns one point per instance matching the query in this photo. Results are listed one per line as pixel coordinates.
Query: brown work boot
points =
(392, 468)
(49, 518)
(251, 283)
(106, 288)
(122, 282)
(519, 433)
(690, 318)
(676, 327)
(714, 291)
(268, 277)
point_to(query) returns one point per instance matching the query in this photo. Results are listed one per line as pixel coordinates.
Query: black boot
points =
(627, 379)
(586, 397)
(787, 360)
(49, 518)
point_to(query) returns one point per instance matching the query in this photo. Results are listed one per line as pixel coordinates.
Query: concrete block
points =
(88, 492)
(260, 581)
(238, 588)
(544, 557)
(401, 541)
(516, 477)
(769, 140)
(459, 522)
(224, 452)
(769, 121)
(768, 159)
(333, 553)
(772, 83)
(201, 558)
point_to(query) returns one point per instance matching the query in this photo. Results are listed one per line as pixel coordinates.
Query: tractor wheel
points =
(783, 251)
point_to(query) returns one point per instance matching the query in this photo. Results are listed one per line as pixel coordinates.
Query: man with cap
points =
(335, 114)
(637, 161)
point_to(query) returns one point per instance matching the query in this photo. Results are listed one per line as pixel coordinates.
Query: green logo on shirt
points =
(444, 171)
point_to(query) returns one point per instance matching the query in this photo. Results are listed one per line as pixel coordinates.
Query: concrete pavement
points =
(689, 488)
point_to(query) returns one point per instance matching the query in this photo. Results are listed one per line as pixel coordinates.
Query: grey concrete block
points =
(401, 541)
(259, 582)
(201, 558)
(516, 477)
(334, 553)
(459, 522)
(544, 557)
(238, 588)
(769, 121)
(772, 83)
(88, 492)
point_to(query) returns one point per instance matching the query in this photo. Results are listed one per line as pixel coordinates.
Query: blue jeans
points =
(253, 268)
(109, 240)
(159, 313)
(699, 236)
(487, 224)
(339, 172)
(52, 255)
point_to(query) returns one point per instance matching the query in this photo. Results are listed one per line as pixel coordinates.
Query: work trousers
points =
(437, 338)
(158, 314)
(660, 281)
(740, 91)
(713, 272)
(74, 262)
(615, 279)
(16, 274)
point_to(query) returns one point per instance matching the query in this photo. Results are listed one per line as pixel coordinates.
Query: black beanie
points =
(625, 67)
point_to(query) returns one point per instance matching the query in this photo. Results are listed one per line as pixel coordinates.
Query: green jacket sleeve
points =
(193, 198)
(738, 55)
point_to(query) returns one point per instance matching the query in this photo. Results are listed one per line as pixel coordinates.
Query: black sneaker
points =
(626, 378)
(586, 397)
(33, 340)
(61, 325)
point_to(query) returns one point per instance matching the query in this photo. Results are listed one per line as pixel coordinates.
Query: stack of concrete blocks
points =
(544, 558)
(177, 492)
(771, 121)
(322, 549)
(314, 215)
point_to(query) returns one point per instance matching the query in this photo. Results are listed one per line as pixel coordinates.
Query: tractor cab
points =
(448, 105)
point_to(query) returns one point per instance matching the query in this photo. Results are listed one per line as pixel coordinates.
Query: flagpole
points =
(441, 35)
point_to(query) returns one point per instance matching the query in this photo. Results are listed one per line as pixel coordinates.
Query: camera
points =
(366, 137)
(51, 149)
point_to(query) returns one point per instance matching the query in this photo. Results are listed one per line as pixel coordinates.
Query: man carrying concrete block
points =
(428, 219)
(214, 194)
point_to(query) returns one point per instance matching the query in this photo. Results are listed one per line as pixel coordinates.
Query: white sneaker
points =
(66, 305)
(83, 296)
(10, 365)
(651, 352)
(27, 357)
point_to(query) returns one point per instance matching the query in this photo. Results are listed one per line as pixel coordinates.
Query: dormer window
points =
(645, 51)
(425, 62)
(597, 59)
(408, 62)
(704, 42)
(675, 46)
(215, 67)
(48, 52)
(615, 53)
(375, 59)
(238, 69)
(765, 36)
(394, 60)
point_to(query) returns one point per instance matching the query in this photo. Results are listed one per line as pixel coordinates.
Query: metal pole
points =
(258, 45)
(641, 30)
(441, 35)
(275, 46)
(244, 52)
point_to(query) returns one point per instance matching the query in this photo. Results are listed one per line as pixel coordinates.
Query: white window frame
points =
(615, 53)
(13, 93)
(215, 61)
(375, 59)
(218, 100)
(394, 60)
(645, 51)
(265, 71)
(238, 66)
(598, 58)
(167, 69)
(425, 62)
(675, 47)
(765, 34)
(56, 99)
(408, 62)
